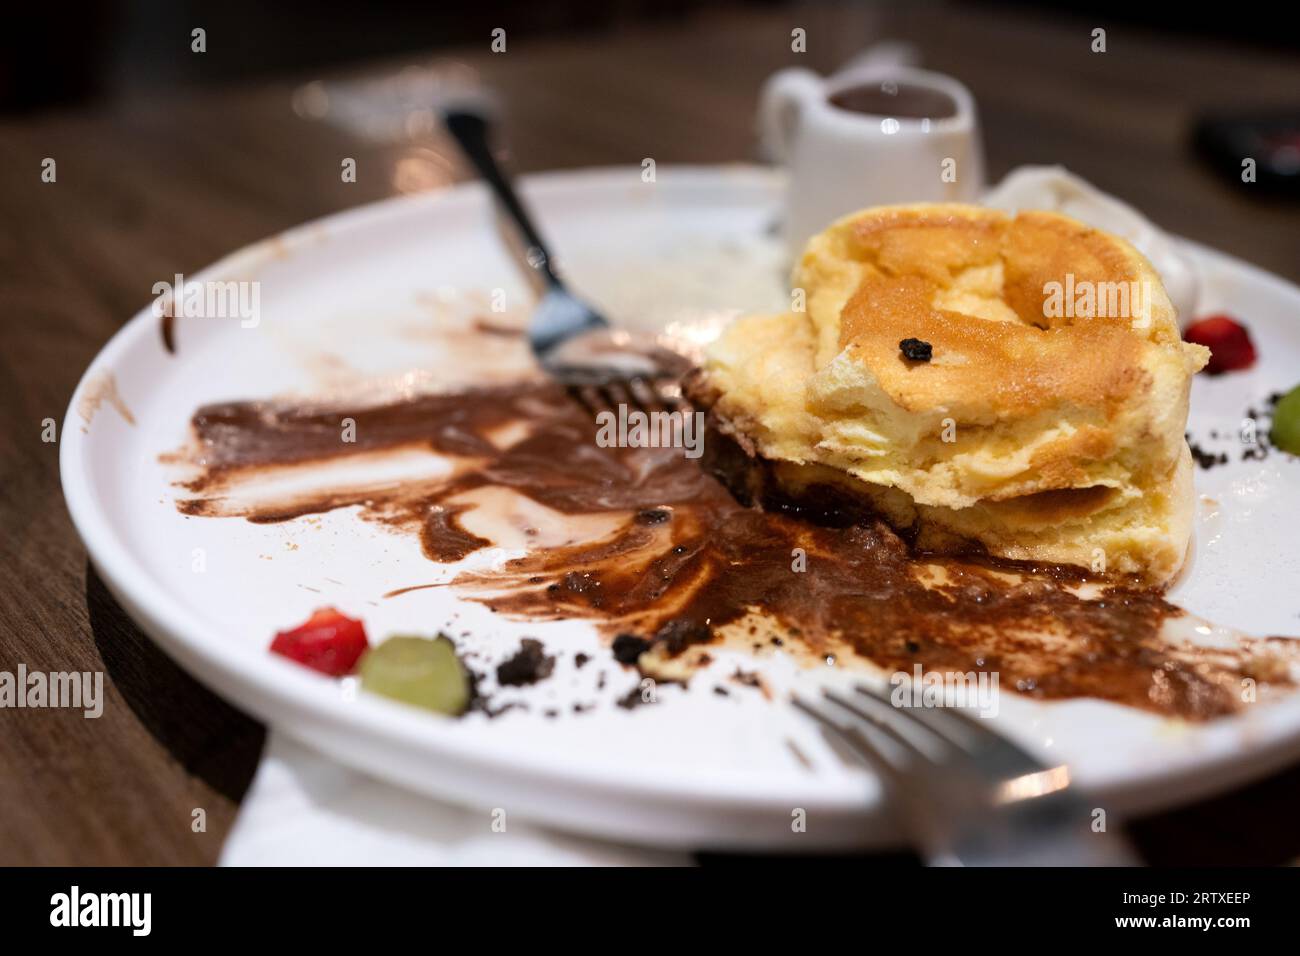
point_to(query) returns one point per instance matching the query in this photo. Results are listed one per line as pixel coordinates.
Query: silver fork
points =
(572, 342)
(965, 795)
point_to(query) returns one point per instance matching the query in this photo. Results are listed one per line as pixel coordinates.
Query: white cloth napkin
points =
(305, 809)
(1058, 189)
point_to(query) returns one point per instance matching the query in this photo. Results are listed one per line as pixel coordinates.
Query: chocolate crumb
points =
(633, 698)
(1207, 459)
(529, 665)
(916, 350)
(679, 634)
(628, 647)
(580, 659)
(477, 700)
(751, 679)
(722, 691)
(493, 713)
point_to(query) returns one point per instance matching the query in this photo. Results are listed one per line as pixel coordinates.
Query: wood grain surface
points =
(164, 181)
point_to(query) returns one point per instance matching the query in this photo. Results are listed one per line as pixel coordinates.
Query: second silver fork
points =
(966, 795)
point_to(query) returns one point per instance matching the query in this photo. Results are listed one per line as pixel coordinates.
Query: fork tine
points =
(589, 397)
(598, 393)
(615, 393)
(888, 726)
(647, 397)
(919, 716)
(959, 729)
(669, 392)
(857, 741)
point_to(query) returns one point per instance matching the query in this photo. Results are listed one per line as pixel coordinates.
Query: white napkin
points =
(304, 809)
(1058, 189)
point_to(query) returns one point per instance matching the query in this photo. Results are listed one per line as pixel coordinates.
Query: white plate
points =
(697, 769)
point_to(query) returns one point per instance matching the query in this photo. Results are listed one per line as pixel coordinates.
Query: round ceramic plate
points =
(363, 294)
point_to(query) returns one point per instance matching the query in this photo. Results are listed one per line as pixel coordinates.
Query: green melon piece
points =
(1285, 433)
(420, 671)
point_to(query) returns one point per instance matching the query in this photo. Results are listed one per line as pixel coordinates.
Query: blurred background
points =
(169, 157)
(587, 83)
(122, 47)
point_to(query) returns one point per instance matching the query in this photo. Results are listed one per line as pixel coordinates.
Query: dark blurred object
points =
(1271, 140)
(1220, 23)
(48, 57)
(52, 54)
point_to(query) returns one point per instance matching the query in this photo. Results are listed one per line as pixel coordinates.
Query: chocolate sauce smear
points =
(687, 565)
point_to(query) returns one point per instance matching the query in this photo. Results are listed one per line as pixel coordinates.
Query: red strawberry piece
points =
(328, 642)
(1228, 341)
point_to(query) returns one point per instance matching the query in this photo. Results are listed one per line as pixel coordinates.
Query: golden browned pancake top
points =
(1015, 365)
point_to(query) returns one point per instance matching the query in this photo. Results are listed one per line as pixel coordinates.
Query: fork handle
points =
(471, 132)
(1068, 848)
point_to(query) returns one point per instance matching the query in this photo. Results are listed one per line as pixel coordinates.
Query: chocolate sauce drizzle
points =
(689, 564)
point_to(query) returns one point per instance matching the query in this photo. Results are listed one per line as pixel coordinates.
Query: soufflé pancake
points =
(1017, 383)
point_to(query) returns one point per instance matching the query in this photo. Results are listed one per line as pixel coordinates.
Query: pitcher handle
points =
(779, 106)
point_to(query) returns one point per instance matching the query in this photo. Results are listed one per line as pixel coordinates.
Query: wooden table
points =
(159, 182)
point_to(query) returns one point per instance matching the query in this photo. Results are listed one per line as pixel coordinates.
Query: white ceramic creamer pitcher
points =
(872, 134)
